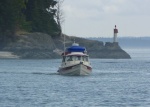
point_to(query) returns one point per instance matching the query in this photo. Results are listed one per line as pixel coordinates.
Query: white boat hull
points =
(76, 70)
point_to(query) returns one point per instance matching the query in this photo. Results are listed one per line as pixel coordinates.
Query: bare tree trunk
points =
(59, 15)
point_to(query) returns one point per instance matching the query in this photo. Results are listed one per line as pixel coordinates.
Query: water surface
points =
(113, 83)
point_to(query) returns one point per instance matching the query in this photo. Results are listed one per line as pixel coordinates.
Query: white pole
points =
(115, 37)
(64, 44)
(115, 34)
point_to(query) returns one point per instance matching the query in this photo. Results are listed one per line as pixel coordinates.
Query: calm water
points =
(113, 83)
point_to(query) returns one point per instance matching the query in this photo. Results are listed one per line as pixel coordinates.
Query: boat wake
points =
(40, 73)
(37, 73)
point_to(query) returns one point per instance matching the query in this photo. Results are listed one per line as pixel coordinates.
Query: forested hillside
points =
(27, 16)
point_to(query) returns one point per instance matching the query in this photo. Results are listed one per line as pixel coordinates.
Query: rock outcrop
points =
(110, 51)
(42, 46)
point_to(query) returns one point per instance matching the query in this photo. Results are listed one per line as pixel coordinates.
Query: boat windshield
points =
(75, 58)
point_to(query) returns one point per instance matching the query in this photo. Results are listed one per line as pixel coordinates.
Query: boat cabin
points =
(75, 58)
(75, 53)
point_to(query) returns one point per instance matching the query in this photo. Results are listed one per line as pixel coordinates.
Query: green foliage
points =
(41, 15)
(29, 15)
(11, 15)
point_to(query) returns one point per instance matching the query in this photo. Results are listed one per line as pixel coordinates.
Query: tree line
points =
(28, 15)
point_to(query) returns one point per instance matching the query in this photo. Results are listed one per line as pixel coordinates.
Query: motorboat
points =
(75, 61)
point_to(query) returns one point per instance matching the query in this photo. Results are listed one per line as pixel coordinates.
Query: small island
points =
(43, 46)
(32, 30)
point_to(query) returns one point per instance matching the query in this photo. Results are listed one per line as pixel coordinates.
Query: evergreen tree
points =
(11, 17)
(41, 15)
(30, 15)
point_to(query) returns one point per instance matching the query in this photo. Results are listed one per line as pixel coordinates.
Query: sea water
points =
(113, 83)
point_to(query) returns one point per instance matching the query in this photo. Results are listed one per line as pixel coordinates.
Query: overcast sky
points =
(97, 18)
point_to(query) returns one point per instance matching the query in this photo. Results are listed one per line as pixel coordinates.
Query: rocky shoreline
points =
(42, 46)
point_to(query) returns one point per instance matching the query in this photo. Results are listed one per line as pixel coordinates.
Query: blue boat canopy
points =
(76, 49)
